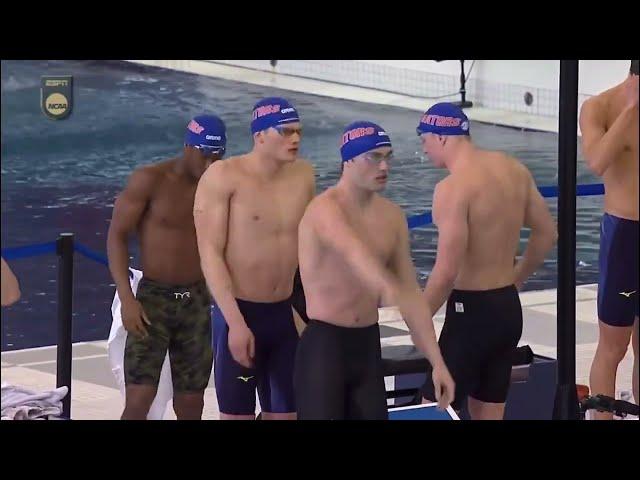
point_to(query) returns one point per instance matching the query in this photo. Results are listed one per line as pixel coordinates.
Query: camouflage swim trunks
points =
(180, 322)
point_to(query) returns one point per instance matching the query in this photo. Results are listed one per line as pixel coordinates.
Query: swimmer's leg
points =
(319, 375)
(191, 353)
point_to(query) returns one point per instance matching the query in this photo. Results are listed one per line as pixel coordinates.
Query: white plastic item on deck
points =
(116, 344)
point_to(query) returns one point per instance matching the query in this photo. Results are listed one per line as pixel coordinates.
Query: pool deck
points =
(95, 395)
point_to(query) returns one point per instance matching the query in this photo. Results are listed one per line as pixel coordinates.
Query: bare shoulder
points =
(450, 185)
(515, 169)
(303, 165)
(323, 202)
(591, 103)
(451, 194)
(517, 166)
(596, 106)
(220, 174)
(303, 169)
(152, 170)
(146, 178)
(512, 162)
(391, 210)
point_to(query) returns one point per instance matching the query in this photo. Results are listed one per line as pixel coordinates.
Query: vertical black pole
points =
(463, 103)
(65, 315)
(566, 401)
(463, 81)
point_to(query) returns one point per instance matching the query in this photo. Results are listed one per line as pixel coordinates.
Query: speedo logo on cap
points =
(288, 110)
(265, 110)
(213, 137)
(357, 133)
(195, 127)
(440, 121)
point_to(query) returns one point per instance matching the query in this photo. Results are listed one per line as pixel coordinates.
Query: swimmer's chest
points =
(630, 135)
(625, 169)
(269, 208)
(378, 232)
(172, 206)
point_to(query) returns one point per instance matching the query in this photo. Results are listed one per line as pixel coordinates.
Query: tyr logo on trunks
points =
(182, 295)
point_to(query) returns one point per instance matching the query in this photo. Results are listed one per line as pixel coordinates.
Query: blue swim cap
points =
(207, 132)
(271, 112)
(444, 119)
(361, 137)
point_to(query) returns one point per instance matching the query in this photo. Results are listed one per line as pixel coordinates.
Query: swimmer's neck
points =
(460, 157)
(356, 196)
(263, 165)
(179, 167)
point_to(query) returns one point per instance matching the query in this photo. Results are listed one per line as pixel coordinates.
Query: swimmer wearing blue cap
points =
(354, 255)
(247, 213)
(609, 125)
(170, 310)
(479, 210)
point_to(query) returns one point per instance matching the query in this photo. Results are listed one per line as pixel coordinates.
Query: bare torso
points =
(334, 293)
(167, 235)
(262, 240)
(496, 190)
(621, 177)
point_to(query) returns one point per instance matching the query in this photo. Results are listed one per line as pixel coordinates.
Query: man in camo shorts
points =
(171, 308)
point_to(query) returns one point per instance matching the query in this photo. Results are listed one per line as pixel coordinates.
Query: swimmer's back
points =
(496, 186)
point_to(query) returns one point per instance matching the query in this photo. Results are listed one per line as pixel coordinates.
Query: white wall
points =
(500, 85)
(447, 67)
(595, 75)
(599, 75)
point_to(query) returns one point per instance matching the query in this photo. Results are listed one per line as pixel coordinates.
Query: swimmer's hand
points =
(134, 318)
(443, 386)
(242, 344)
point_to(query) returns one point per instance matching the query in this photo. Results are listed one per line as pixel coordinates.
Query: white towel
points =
(116, 344)
(20, 403)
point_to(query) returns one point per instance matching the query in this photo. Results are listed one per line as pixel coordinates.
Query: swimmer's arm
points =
(332, 228)
(308, 178)
(211, 216)
(450, 209)
(600, 146)
(128, 210)
(10, 286)
(543, 234)
(422, 330)
(312, 183)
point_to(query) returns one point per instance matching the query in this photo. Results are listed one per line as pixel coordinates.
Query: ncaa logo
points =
(56, 96)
